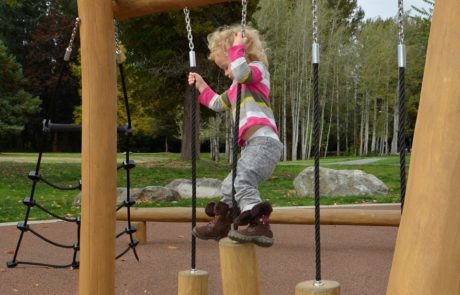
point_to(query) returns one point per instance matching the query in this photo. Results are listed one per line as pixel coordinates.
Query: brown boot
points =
(219, 227)
(258, 230)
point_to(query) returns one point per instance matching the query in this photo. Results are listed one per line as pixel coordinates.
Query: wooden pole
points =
(238, 267)
(193, 282)
(124, 9)
(99, 146)
(427, 253)
(279, 216)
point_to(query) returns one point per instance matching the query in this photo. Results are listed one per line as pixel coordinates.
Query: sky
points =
(387, 8)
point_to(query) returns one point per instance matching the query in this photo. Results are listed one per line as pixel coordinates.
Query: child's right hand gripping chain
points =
(239, 39)
(200, 83)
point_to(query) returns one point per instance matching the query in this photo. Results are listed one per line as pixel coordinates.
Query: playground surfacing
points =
(358, 257)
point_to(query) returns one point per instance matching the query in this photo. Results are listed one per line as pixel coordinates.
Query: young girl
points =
(243, 60)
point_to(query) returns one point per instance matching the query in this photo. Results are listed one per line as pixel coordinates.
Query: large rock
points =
(121, 195)
(146, 194)
(205, 187)
(155, 193)
(339, 183)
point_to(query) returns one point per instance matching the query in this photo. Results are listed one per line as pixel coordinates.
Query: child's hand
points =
(239, 39)
(200, 83)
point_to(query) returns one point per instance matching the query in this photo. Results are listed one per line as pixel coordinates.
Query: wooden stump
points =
(193, 282)
(240, 274)
(310, 288)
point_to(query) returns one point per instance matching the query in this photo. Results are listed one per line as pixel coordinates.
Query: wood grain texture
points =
(99, 146)
(427, 253)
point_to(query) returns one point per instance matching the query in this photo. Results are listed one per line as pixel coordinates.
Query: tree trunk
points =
(361, 128)
(284, 122)
(374, 127)
(337, 118)
(394, 140)
(329, 126)
(346, 118)
(356, 140)
(186, 147)
(366, 127)
(228, 136)
(334, 86)
(305, 132)
(323, 108)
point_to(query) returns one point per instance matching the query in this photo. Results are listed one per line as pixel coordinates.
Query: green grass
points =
(159, 169)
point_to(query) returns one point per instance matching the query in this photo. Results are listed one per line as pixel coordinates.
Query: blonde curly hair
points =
(222, 39)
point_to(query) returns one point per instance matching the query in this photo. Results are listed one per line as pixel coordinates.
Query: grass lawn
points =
(159, 169)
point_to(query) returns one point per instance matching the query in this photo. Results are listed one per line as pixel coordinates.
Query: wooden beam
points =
(427, 253)
(279, 216)
(124, 9)
(99, 147)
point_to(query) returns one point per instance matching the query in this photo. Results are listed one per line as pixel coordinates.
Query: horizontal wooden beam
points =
(123, 9)
(279, 216)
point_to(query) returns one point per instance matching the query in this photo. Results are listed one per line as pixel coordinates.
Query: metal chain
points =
(244, 12)
(74, 32)
(117, 37)
(189, 29)
(118, 53)
(400, 21)
(68, 50)
(315, 20)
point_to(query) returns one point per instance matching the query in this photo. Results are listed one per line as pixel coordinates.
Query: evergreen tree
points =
(16, 105)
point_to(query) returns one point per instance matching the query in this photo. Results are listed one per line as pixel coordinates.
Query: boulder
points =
(155, 193)
(337, 183)
(121, 195)
(205, 187)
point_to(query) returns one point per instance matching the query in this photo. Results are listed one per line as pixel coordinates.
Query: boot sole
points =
(261, 241)
(197, 235)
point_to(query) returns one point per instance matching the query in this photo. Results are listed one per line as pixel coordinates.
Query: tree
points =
(16, 105)
(17, 20)
(157, 53)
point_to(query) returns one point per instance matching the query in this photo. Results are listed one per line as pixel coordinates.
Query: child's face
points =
(222, 62)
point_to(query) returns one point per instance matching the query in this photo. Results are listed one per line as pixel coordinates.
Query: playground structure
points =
(371, 217)
(426, 260)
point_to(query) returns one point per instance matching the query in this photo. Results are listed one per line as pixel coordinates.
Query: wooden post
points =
(99, 146)
(427, 253)
(324, 288)
(238, 267)
(193, 282)
(141, 231)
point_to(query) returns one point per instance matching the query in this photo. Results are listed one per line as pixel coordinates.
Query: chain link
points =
(74, 32)
(117, 37)
(244, 12)
(400, 21)
(68, 51)
(315, 20)
(118, 53)
(189, 29)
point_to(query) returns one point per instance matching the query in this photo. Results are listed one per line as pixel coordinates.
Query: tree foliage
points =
(358, 74)
(16, 105)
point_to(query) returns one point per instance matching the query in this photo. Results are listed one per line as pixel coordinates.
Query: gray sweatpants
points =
(258, 159)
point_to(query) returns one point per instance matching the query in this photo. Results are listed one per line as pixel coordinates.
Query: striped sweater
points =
(255, 102)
